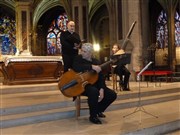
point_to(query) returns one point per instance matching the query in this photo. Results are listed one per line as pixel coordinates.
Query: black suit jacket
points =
(67, 41)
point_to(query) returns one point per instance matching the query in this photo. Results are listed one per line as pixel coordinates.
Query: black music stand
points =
(123, 59)
(140, 107)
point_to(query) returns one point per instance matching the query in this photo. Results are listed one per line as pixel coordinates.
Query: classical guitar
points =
(72, 84)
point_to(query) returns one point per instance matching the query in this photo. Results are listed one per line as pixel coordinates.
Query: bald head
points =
(71, 26)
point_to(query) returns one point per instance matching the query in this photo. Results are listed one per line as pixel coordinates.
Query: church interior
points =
(31, 60)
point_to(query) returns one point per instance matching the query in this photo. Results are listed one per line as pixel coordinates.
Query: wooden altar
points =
(31, 69)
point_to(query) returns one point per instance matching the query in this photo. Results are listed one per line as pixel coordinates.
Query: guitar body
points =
(72, 84)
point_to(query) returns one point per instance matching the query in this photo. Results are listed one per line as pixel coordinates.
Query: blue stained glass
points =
(51, 35)
(53, 38)
(62, 21)
(177, 29)
(7, 35)
(56, 31)
(162, 31)
(51, 46)
(58, 44)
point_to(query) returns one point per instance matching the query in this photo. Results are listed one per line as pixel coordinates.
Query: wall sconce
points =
(96, 47)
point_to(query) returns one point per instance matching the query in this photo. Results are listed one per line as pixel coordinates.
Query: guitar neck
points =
(128, 36)
(106, 64)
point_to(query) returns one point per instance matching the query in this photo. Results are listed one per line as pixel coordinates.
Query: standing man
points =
(70, 42)
(99, 95)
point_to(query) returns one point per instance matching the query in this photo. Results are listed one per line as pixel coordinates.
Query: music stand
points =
(140, 107)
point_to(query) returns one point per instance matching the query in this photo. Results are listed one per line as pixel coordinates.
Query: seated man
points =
(99, 95)
(121, 69)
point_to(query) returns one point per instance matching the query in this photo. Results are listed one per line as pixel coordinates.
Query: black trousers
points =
(121, 70)
(93, 94)
(68, 61)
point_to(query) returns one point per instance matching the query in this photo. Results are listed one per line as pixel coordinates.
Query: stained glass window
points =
(53, 38)
(7, 35)
(162, 31)
(177, 29)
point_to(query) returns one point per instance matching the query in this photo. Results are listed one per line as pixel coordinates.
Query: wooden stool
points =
(114, 78)
(78, 105)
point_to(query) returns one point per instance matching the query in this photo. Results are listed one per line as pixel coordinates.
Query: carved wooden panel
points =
(32, 72)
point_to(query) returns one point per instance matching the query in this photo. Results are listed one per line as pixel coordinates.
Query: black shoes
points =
(95, 120)
(101, 115)
(126, 89)
(121, 84)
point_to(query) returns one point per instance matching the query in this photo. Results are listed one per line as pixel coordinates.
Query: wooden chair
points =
(78, 105)
(115, 80)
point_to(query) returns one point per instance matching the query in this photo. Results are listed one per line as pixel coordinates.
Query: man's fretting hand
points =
(96, 68)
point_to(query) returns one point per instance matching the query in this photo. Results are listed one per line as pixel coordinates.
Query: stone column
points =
(130, 13)
(23, 28)
(80, 17)
(113, 19)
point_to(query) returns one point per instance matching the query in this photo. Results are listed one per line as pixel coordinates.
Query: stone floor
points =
(114, 124)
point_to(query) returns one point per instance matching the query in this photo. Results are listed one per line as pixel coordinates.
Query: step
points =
(132, 104)
(167, 119)
(35, 108)
(114, 121)
(31, 98)
(134, 94)
(25, 99)
(54, 102)
(65, 106)
(55, 114)
(68, 112)
(39, 108)
(36, 119)
(162, 129)
(151, 98)
(59, 101)
(14, 89)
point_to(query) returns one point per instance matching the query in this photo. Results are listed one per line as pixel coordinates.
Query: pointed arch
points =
(44, 6)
